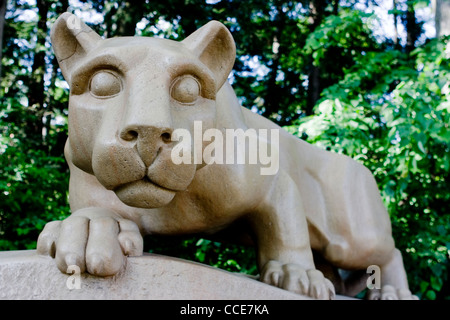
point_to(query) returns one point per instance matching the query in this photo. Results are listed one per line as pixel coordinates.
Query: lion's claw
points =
(94, 239)
(294, 278)
(388, 292)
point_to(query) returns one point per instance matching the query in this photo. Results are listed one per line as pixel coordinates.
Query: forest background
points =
(366, 78)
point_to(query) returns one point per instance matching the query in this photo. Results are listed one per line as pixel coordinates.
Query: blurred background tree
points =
(369, 79)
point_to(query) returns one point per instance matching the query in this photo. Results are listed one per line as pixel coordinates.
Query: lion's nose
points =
(131, 134)
(148, 140)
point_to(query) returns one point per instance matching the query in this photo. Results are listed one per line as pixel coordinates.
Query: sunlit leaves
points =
(347, 32)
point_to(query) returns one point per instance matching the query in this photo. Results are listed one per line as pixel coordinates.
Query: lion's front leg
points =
(293, 277)
(284, 253)
(94, 239)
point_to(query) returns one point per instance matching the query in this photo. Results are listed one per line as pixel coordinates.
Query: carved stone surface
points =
(26, 275)
(143, 115)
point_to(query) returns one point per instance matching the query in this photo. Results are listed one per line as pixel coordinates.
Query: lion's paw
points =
(388, 292)
(294, 278)
(94, 239)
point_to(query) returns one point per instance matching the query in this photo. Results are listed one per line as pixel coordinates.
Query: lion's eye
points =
(185, 89)
(105, 84)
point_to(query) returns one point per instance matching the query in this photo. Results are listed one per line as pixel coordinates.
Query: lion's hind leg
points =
(394, 282)
(352, 230)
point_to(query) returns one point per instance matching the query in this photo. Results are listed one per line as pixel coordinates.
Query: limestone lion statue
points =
(148, 121)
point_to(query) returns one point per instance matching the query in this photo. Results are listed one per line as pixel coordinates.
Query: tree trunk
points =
(442, 17)
(317, 12)
(413, 30)
(36, 88)
(129, 17)
(445, 18)
(335, 7)
(313, 89)
(121, 21)
(2, 24)
(271, 98)
(395, 13)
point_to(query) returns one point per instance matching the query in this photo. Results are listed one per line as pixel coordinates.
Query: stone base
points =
(26, 275)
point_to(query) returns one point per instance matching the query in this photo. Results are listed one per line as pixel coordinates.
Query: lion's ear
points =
(71, 39)
(215, 47)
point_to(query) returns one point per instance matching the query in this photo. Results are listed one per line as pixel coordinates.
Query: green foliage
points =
(388, 109)
(33, 191)
(34, 175)
(231, 257)
(345, 35)
(391, 113)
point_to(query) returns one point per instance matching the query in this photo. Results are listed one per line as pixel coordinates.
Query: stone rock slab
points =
(26, 275)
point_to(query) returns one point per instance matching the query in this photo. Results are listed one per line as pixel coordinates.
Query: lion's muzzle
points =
(138, 167)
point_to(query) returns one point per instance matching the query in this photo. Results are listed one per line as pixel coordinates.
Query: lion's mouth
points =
(147, 180)
(144, 193)
(138, 185)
